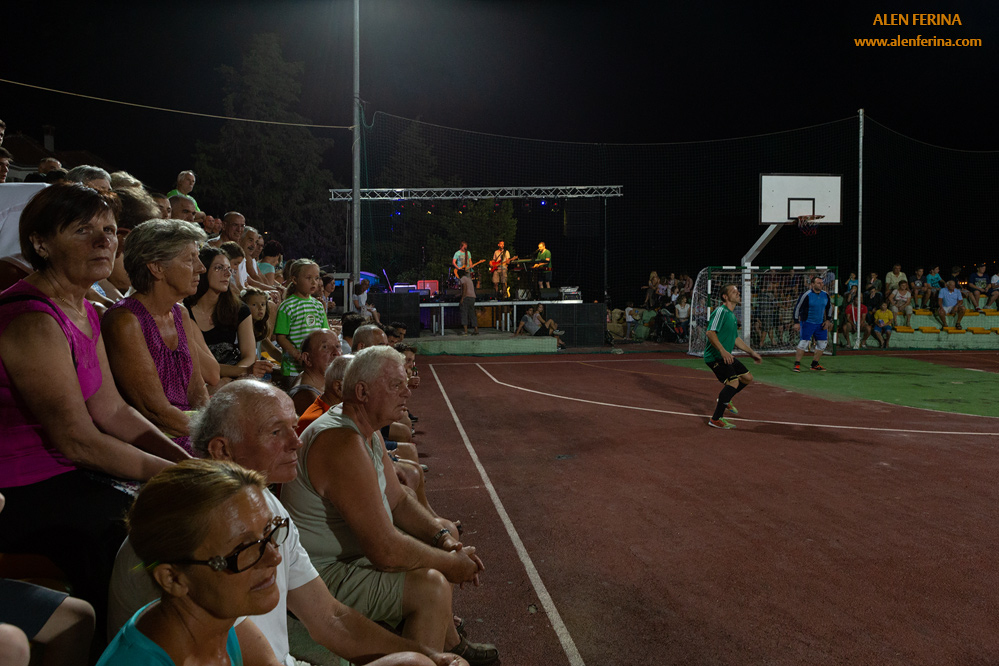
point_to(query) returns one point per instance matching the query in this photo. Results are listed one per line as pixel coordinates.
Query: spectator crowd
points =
(171, 365)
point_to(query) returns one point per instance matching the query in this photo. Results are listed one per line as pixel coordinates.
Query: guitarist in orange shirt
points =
(498, 266)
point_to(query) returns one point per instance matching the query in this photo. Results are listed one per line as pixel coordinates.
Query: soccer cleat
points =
(721, 423)
(818, 367)
(796, 368)
(730, 407)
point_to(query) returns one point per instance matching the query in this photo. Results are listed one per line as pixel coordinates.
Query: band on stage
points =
(510, 275)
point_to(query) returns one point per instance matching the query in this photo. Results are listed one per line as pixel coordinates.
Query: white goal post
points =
(769, 294)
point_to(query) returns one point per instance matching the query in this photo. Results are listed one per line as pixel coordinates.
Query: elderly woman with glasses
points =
(149, 335)
(208, 538)
(223, 319)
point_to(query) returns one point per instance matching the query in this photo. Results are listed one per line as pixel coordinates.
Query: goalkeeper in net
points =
(812, 318)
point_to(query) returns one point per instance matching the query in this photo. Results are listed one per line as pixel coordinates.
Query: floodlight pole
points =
(605, 252)
(355, 209)
(860, 234)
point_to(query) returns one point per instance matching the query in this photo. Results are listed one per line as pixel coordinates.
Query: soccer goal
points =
(769, 294)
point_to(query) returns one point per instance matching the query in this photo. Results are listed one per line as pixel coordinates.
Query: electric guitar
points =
(467, 269)
(493, 265)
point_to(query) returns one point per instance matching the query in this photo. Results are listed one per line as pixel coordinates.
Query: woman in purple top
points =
(147, 334)
(64, 429)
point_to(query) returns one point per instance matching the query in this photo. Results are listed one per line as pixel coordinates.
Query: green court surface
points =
(900, 381)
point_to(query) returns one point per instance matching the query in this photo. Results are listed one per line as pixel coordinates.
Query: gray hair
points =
(85, 173)
(364, 335)
(336, 370)
(367, 365)
(154, 241)
(248, 230)
(222, 416)
(121, 179)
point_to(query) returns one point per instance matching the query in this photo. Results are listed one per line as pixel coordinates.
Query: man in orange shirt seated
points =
(331, 396)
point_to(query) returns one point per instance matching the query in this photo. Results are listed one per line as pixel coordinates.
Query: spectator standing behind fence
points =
(467, 306)
(64, 428)
(149, 335)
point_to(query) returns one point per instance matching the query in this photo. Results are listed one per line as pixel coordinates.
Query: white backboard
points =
(784, 196)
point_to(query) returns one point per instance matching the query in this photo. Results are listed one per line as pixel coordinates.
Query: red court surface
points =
(625, 531)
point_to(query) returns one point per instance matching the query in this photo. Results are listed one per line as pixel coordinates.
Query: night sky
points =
(579, 71)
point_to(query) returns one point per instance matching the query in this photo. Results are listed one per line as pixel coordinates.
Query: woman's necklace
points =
(66, 301)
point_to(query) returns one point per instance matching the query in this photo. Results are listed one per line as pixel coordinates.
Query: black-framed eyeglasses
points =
(244, 557)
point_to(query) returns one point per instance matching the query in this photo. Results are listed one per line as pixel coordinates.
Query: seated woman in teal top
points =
(207, 537)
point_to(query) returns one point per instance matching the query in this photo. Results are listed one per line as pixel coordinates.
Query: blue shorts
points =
(882, 329)
(808, 330)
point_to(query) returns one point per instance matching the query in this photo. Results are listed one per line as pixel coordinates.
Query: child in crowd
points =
(629, 319)
(264, 315)
(883, 319)
(300, 313)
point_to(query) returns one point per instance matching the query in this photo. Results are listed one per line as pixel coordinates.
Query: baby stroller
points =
(669, 329)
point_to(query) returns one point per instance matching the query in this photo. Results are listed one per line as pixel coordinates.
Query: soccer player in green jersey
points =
(723, 334)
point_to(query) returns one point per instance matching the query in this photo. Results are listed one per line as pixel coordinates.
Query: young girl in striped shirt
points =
(300, 313)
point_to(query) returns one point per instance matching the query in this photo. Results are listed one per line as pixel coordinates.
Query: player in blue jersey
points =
(812, 317)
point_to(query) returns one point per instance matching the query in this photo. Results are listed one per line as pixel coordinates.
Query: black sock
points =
(739, 387)
(814, 363)
(724, 398)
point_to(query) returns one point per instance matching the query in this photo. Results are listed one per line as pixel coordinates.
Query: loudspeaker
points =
(551, 295)
(398, 307)
(584, 323)
(485, 294)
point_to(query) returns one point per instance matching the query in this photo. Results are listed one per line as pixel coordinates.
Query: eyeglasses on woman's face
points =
(222, 269)
(247, 555)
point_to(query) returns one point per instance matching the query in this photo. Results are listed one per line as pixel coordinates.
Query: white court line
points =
(704, 416)
(568, 645)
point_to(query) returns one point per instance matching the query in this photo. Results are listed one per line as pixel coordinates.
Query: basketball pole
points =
(747, 275)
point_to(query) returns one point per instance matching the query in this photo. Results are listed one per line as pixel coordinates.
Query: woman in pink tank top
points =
(65, 432)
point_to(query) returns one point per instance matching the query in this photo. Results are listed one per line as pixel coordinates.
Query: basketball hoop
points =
(808, 225)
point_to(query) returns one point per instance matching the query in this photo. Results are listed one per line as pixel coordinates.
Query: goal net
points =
(769, 294)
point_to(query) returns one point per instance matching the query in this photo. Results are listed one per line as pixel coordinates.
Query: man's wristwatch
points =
(440, 535)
